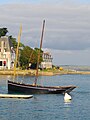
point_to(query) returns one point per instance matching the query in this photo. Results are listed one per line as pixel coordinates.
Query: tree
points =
(35, 56)
(25, 56)
(13, 40)
(38, 51)
(28, 55)
(3, 31)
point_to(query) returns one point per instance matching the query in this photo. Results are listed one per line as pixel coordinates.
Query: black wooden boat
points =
(34, 88)
(17, 87)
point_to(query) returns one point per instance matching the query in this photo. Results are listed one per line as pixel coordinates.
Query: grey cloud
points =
(68, 40)
(67, 26)
(65, 57)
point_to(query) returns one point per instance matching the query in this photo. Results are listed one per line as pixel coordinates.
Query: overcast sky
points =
(67, 28)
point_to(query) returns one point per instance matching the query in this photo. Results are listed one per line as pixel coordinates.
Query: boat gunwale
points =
(40, 87)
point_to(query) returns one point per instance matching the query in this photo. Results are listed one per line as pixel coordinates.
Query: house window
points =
(4, 63)
(4, 44)
(5, 50)
(0, 63)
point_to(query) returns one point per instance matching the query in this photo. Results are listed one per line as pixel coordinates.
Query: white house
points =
(47, 60)
(7, 54)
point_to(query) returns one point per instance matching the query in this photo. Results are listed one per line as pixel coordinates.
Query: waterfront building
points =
(47, 60)
(7, 54)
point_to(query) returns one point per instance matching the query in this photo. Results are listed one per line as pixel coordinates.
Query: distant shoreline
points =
(43, 73)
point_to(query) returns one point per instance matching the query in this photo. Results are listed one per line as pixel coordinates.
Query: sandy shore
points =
(42, 73)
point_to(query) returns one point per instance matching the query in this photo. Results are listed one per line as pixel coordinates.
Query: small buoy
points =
(67, 97)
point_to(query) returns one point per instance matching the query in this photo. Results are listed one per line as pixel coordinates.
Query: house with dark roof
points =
(7, 54)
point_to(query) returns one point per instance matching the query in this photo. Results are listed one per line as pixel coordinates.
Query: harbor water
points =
(48, 106)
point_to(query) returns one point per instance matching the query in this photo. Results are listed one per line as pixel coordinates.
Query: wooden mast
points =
(17, 50)
(35, 82)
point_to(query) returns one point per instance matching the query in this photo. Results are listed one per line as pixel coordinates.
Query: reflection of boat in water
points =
(38, 89)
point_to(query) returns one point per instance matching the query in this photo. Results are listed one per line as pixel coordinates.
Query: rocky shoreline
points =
(42, 73)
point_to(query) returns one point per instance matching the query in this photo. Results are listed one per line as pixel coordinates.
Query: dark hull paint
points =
(30, 89)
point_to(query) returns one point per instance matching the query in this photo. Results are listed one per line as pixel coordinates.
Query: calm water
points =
(48, 107)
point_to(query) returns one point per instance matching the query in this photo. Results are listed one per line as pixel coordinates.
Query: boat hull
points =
(15, 96)
(30, 89)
